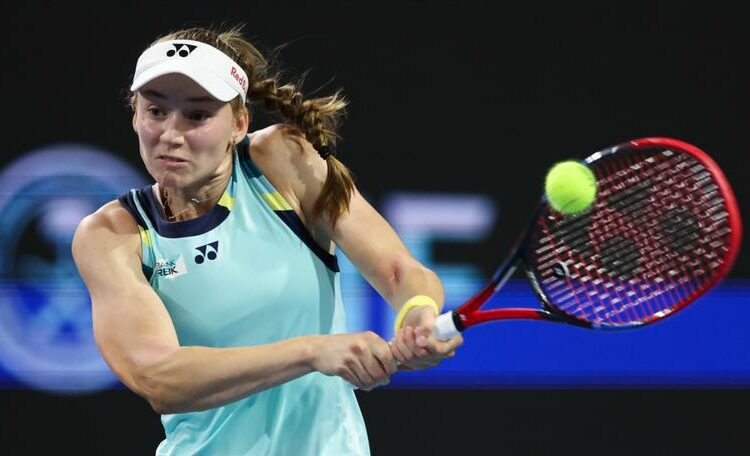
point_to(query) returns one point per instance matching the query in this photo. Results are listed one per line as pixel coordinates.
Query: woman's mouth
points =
(171, 162)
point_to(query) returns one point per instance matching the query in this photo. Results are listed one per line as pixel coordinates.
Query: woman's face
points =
(184, 133)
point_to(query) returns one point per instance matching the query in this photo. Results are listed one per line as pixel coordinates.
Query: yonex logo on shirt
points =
(210, 251)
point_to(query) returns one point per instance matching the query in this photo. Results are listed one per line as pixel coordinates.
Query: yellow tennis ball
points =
(570, 187)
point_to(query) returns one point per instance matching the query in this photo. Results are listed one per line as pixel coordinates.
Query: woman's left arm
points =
(367, 239)
(379, 254)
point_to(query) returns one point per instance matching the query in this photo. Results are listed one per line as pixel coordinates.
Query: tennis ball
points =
(570, 187)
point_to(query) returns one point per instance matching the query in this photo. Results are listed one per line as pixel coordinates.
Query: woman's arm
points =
(366, 238)
(297, 172)
(136, 336)
(377, 251)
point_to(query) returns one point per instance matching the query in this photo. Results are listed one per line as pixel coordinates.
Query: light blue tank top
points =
(249, 273)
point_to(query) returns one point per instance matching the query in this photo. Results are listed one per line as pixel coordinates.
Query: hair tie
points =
(324, 152)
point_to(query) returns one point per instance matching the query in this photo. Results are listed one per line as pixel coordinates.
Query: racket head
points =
(664, 228)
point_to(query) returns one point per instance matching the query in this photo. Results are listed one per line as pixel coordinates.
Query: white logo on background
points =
(171, 269)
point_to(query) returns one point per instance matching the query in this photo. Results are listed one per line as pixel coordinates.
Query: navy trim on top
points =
(127, 202)
(183, 228)
(292, 220)
(289, 217)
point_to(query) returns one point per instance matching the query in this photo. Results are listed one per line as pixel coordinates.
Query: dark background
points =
(476, 97)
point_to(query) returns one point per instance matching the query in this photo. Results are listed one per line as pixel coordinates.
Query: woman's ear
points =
(241, 124)
(135, 112)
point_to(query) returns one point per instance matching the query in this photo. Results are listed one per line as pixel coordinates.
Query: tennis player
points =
(215, 290)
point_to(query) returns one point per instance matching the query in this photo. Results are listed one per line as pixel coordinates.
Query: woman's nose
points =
(173, 129)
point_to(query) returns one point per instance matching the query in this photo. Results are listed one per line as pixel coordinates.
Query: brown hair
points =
(318, 119)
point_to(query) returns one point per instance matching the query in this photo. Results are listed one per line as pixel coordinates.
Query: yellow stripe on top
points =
(276, 201)
(145, 236)
(226, 200)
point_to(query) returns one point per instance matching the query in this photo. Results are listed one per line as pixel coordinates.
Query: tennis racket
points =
(663, 230)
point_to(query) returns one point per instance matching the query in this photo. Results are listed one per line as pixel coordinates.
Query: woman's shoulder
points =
(110, 224)
(288, 159)
(106, 247)
(280, 141)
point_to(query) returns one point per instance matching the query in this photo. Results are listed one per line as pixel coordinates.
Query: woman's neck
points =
(179, 204)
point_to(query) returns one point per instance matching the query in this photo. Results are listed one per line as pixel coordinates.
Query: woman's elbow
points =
(160, 407)
(408, 270)
(145, 387)
(154, 391)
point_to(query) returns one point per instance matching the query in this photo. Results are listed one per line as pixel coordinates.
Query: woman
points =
(215, 291)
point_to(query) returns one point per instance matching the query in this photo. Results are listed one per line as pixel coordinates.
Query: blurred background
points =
(457, 111)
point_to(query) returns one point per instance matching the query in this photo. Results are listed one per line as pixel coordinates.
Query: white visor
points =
(209, 67)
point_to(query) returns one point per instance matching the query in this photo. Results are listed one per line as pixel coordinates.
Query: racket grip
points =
(445, 327)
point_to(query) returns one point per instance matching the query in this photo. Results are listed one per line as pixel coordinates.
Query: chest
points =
(248, 281)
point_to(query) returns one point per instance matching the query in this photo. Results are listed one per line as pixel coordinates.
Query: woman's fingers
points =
(410, 338)
(415, 349)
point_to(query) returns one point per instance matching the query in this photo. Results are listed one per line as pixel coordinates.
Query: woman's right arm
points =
(137, 338)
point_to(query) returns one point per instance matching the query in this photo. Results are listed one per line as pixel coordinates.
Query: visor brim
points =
(210, 82)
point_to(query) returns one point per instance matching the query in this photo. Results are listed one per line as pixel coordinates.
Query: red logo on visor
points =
(239, 78)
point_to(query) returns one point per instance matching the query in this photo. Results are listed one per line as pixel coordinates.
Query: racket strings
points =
(680, 242)
(617, 293)
(681, 238)
(579, 243)
(620, 201)
(659, 297)
(653, 237)
(621, 248)
(571, 235)
(669, 294)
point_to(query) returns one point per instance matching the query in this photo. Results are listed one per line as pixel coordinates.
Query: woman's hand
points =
(412, 345)
(363, 359)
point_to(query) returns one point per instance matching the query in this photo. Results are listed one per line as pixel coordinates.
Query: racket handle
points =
(445, 327)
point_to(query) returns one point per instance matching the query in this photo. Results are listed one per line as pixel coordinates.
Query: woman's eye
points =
(154, 111)
(198, 116)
